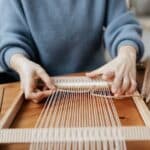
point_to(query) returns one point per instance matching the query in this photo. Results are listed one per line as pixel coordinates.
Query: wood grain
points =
(1, 98)
(11, 113)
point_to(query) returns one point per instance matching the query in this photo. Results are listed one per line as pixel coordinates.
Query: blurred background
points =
(142, 10)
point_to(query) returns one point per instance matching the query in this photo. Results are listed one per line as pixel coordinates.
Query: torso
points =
(68, 34)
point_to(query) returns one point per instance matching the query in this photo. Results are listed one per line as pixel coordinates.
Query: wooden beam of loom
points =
(74, 134)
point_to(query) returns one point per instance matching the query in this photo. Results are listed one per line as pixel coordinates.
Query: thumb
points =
(108, 75)
(46, 79)
(95, 73)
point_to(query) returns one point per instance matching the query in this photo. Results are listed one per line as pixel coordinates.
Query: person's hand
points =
(121, 71)
(35, 82)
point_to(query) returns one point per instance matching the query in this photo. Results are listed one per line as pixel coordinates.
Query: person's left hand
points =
(121, 71)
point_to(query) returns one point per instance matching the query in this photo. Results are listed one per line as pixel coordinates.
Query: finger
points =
(35, 101)
(46, 79)
(29, 87)
(125, 85)
(132, 87)
(97, 72)
(93, 74)
(22, 85)
(45, 88)
(148, 99)
(39, 96)
(117, 83)
(109, 75)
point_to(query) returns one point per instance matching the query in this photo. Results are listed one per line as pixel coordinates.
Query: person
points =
(43, 38)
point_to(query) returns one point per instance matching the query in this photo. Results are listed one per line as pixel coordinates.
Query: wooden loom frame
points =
(6, 121)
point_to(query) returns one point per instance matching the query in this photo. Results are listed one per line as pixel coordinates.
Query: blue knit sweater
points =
(66, 36)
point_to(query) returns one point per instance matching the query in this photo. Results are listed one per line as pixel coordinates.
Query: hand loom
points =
(82, 114)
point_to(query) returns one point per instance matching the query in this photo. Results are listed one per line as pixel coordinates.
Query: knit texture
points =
(66, 36)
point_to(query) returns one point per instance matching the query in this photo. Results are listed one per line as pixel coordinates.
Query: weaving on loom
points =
(81, 114)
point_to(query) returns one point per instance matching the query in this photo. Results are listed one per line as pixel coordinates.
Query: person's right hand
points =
(35, 82)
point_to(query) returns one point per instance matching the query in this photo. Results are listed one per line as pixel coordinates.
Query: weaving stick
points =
(9, 116)
(122, 97)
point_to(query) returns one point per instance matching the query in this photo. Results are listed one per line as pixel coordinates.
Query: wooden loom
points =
(81, 114)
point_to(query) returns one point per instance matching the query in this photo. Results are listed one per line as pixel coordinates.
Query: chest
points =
(64, 19)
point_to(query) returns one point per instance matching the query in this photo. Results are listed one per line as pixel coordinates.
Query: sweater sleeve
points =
(122, 28)
(14, 33)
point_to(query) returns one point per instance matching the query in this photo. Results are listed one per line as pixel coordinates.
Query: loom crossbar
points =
(44, 135)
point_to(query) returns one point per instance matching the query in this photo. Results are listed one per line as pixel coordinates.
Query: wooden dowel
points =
(122, 97)
(143, 109)
(1, 97)
(9, 116)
